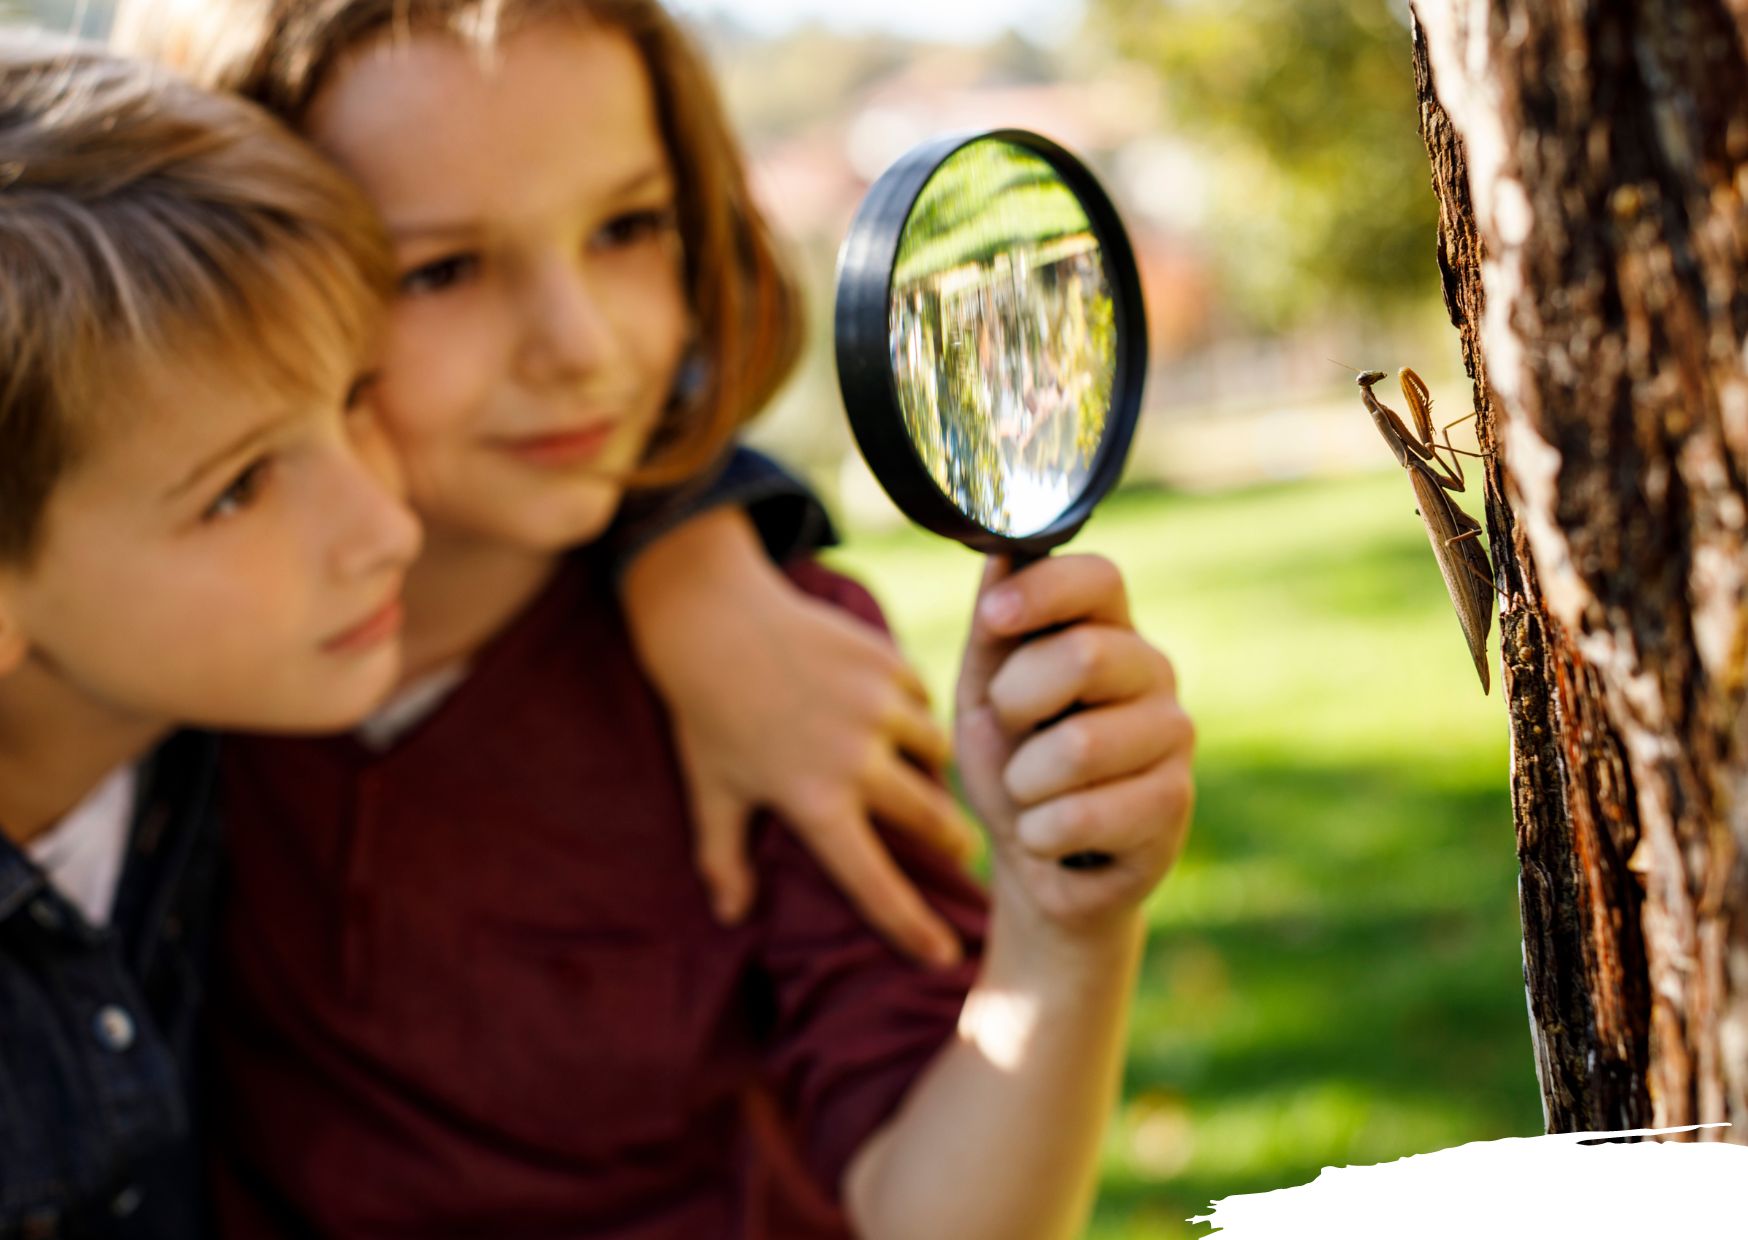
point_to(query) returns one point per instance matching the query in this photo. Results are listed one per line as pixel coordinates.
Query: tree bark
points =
(1590, 158)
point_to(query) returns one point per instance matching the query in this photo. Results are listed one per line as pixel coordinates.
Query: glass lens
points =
(1003, 337)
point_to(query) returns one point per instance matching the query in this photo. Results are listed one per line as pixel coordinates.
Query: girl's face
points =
(541, 316)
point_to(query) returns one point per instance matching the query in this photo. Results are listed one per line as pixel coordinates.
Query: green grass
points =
(1334, 973)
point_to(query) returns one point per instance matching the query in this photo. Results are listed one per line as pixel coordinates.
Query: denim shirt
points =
(789, 518)
(97, 1026)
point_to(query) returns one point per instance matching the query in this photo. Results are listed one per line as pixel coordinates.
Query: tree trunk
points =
(1590, 159)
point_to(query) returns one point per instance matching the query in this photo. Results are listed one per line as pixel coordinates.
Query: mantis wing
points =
(1464, 565)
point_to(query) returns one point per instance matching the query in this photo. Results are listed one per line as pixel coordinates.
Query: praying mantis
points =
(1454, 534)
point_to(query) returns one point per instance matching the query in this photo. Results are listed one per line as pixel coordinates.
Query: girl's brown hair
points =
(143, 219)
(746, 307)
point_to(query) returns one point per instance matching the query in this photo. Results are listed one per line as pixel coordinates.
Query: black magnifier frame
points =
(864, 351)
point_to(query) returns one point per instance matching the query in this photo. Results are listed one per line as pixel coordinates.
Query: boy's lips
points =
(566, 447)
(379, 626)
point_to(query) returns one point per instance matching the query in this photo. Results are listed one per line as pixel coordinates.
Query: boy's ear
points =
(14, 645)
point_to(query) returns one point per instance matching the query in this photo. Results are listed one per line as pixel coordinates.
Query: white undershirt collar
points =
(83, 853)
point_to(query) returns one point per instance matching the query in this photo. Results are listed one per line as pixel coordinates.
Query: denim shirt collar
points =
(20, 879)
(176, 782)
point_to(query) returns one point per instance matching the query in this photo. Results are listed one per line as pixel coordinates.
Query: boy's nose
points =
(379, 531)
(567, 329)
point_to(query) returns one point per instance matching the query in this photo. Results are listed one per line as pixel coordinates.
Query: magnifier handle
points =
(1089, 860)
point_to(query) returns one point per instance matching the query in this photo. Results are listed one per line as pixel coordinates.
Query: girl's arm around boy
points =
(999, 1137)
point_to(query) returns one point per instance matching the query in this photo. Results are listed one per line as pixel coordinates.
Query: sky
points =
(943, 20)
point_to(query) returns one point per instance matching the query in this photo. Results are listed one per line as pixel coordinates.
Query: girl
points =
(778, 699)
(473, 987)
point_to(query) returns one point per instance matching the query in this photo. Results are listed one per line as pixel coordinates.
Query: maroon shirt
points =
(471, 985)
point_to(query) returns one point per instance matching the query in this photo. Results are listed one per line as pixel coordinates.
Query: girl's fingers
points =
(1140, 821)
(1088, 897)
(720, 850)
(1086, 663)
(903, 797)
(849, 848)
(869, 647)
(1096, 746)
(914, 730)
(909, 679)
(719, 843)
(1061, 589)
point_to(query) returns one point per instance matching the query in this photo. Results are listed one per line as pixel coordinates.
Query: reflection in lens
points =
(1003, 337)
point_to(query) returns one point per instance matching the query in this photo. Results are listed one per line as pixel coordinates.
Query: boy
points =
(194, 526)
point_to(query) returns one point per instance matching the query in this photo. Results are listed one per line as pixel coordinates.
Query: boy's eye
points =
(242, 492)
(439, 274)
(655, 223)
(360, 388)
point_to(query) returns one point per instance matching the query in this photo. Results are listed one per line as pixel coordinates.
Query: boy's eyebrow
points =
(444, 230)
(241, 446)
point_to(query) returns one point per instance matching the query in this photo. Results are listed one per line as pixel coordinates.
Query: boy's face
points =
(542, 315)
(220, 557)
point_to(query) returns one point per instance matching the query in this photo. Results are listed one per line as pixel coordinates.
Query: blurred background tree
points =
(1304, 111)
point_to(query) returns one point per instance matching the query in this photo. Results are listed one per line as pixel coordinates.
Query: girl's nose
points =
(566, 326)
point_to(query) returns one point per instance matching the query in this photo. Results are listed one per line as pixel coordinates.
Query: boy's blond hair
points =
(745, 306)
(142, 220)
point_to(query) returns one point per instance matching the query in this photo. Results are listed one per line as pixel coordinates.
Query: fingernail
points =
(1001, 607)
(730, 909)
(945, 954)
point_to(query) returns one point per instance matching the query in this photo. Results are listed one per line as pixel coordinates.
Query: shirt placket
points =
(117, 1088)
(359, 885)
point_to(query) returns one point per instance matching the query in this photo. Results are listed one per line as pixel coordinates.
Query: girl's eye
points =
(244, 489)
(622, 231)
(440, 274)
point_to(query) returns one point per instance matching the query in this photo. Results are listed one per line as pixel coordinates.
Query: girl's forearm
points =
(999, 1138)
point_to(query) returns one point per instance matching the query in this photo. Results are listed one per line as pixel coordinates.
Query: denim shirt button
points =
(126, 1202)
(115, 1028)
(45, 914)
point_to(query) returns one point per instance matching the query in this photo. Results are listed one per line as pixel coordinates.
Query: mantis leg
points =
(1448, 474)
(1467, 535)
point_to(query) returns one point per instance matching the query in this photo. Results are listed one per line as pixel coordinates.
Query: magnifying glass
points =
(991, 342)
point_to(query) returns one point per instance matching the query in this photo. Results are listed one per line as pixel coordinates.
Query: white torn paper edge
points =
(1523, 1186)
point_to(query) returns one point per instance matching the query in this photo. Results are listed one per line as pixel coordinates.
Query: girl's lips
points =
(376, 628)
(562, 447)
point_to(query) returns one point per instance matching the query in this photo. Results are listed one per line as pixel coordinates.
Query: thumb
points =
(984, 650)
(720, 816)
(984, 752)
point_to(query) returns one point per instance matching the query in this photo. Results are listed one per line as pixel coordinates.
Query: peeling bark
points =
(1591, 164)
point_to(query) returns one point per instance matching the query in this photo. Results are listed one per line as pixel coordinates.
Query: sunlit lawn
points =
(1334, 975)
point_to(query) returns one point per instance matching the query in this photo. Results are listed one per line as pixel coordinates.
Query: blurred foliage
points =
(776, 89)
(1306, 111)
(1334, 974)
(990, 197)
(779, 87)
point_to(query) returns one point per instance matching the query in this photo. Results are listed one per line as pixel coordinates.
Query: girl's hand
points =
(783, 701)
(1112, 777)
